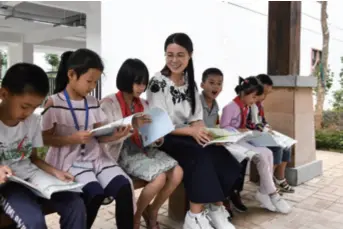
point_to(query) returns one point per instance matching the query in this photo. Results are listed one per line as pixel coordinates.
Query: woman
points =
(210, 172)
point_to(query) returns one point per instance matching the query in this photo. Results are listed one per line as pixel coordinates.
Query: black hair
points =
(80, 61)
(132, 71)
(265, 79)
(24, 78)
(211, 71)
(185, 41)
(249, 85)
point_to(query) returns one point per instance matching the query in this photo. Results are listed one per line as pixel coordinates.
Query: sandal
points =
(284, 186)
(150, 223)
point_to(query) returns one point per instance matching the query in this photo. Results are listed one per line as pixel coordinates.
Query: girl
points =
(23, 89)
(257, 120)
(69, 115)
(210, 172)
(149, 164)
(235, 116)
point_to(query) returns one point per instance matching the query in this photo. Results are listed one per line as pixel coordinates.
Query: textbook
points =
(44, 184)
(226, 136)
(160, 126)
(270, 139)
(109, 129)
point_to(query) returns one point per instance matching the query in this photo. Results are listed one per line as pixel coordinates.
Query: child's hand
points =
(4, 172)
(121, 132)
(200, 134)
(140, 121)
(81, 137)
(63, 176)
(158, 142)
(243, 130)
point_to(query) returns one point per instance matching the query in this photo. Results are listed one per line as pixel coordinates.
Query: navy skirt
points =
(210, 173)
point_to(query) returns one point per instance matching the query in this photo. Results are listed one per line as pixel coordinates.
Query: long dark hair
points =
(249, 85)
(80, 61)
(185, 41)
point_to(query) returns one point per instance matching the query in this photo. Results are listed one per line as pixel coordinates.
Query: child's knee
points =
(160, 180)
(177, 174)
(92, 190)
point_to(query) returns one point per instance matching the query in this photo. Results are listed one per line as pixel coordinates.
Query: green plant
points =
(329, 140)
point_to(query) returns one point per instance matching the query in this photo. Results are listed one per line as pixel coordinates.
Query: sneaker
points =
(265, 201)
(280, 204)
(228, 208)
(219, 217)
(283, 185)
(237, 202)
(200, 222)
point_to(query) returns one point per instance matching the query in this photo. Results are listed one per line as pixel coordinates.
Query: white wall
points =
(225, 35)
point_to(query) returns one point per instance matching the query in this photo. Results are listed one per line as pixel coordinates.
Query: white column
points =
(21, 52)
(93, 31)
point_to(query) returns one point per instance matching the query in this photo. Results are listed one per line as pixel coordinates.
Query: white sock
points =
(194, 215)
(279, 181)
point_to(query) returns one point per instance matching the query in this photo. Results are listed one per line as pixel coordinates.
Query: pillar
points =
(93, 35)
(21, 52)
(289, 109)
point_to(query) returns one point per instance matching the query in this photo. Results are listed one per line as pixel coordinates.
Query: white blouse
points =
(175, 100)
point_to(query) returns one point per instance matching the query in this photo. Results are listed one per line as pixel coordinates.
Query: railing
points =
(96, 92)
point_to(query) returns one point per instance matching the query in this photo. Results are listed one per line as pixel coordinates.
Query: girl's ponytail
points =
(61, 79)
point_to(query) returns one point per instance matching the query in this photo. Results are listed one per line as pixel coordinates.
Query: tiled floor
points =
(317, 204)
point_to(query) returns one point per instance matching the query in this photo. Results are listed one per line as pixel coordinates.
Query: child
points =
(257, 121)
(235, 116)
(212, 85)
(23, 89)
(149, 164)
(70, 115)
(209, 172)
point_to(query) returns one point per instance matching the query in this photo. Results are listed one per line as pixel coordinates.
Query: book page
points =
(283, 140)
(160, 126)
(225, 136)
(261, 139)
(239, 152)
(109, 129)
(44, 184)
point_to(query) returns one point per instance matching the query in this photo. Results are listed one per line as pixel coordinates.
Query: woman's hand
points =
(200, 134)
(139, 121)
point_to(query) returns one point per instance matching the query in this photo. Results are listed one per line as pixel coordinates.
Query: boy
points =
(23, 89)
(257, 120)
(212, 85)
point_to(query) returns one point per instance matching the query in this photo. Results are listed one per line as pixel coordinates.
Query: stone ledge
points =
(294, 81)
(298, 175)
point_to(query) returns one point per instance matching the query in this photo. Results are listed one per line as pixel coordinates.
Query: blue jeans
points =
(281, 154)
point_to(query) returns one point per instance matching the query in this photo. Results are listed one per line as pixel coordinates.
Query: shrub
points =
(329, 140)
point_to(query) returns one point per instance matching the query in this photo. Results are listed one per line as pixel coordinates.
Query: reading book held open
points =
(44, 184)
(226, 136)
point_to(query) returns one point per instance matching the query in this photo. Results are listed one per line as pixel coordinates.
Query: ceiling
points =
(41, 24)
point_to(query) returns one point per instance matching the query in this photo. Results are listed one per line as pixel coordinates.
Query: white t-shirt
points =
(16, 144)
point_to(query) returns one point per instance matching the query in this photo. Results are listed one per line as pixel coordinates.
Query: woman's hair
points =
(132, 71)
(80, 61)
(185, 41)
(249, 85)
(265, 79)
(25, 78)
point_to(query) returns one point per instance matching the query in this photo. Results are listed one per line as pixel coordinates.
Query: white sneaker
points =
(280, 204)
(200, 222)
(265, 201)
(219, 218)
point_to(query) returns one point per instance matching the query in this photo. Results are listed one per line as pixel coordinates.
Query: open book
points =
(109, 129)
(44, 184)
(160, 126)
(240, 152)
(226, 136)
(267, 139)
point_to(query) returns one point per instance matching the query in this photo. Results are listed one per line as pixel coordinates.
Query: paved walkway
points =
(317, 204)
